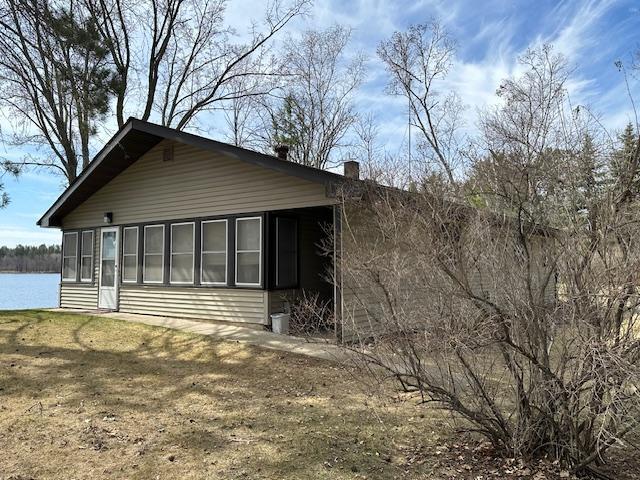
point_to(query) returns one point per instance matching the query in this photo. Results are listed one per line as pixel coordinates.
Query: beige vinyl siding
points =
(83, 295)
(78, 296)
(360, 300)
(279, 298)
(195, 183)
(483, 280)
(220, 304)
(363, 299)
(359, 306)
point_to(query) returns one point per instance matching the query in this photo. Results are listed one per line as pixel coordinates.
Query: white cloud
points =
(573, 36)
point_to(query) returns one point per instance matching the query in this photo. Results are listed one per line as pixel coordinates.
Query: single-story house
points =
(164, 222)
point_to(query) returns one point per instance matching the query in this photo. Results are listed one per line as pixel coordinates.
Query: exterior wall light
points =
(108, 217)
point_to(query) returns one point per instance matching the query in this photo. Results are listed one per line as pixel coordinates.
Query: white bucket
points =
(280, 323)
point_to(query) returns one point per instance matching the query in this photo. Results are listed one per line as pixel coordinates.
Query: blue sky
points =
(490, 36)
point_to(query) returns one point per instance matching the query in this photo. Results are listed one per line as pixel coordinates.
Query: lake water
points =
(28, 290)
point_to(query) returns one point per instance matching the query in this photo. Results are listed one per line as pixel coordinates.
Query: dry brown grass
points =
(87, 397)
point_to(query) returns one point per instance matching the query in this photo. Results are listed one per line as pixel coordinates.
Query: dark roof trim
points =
(64, 196)
(144, 135)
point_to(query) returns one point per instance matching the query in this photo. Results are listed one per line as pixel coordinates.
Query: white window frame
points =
(75, 256)
(144, 254)
(82, 256)
(124, 255)
(259, 284)
(226, 250)
(193, 253)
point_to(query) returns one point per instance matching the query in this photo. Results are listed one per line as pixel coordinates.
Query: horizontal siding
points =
(279, 300)
(79, 296)
(230, 305)
(357, 323)
(363, 300)
(195, 183)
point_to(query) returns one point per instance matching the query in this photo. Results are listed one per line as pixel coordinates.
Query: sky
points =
(490, 35)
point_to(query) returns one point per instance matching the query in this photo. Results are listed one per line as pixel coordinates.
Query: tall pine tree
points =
(622, 162)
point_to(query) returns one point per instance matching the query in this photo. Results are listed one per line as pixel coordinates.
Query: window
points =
(69, 256)
(153, 260)
(213, 264)
(130, 255)
(248, 251)
(86, 257)
(182, 244)
(286, 252)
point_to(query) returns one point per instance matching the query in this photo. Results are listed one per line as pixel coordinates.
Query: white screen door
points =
(108, 285)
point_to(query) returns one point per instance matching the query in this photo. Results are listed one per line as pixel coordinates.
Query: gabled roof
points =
(135, 138)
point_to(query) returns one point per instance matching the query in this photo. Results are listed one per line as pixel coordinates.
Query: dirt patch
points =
(86, 397)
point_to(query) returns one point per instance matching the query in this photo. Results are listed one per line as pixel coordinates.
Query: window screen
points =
(130, 255)
(153, 269)
(86, 257)
(69, 256)
(286, 252)
(182, 253)
(214, 252)
(249, 251)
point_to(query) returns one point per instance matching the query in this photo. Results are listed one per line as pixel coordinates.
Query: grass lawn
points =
(87, 397)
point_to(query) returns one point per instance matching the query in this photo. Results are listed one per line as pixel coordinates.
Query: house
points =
(163, 222)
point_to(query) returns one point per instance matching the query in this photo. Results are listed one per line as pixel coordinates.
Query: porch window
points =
(86, 257)
(182, 246)
(213, 264)
(153, 260)
(69, 256)
(249, 251)
(130, 255)
(286, 252)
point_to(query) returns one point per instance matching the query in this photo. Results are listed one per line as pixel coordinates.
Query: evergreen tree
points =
(82, 60)
(591, 174)
(284, 124)
(621, 163)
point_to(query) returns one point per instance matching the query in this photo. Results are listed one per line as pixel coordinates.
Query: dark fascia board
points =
(93, 165)
(155, 133)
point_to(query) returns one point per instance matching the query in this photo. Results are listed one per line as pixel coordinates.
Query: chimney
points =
(352, 169)
(282, 151)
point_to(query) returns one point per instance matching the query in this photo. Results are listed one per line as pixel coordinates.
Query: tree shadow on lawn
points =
(103, 397)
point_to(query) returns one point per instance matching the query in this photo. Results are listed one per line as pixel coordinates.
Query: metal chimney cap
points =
(282, 151)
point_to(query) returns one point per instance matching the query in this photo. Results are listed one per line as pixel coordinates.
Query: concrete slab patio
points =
(223, 331)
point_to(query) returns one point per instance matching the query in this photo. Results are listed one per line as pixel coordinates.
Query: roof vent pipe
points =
(282, 151)
(352, 169)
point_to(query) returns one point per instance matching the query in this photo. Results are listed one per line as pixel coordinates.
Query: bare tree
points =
(315, 109)
(54, 81)
(521, 313)
(165, 60)
(376, 163)
(243, 114)
(191, 63)
(418, 61)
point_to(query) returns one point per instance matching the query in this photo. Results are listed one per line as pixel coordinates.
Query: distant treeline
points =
(25, 258)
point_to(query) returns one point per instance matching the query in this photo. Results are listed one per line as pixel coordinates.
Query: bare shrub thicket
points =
(311, 315)
(511, 298)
